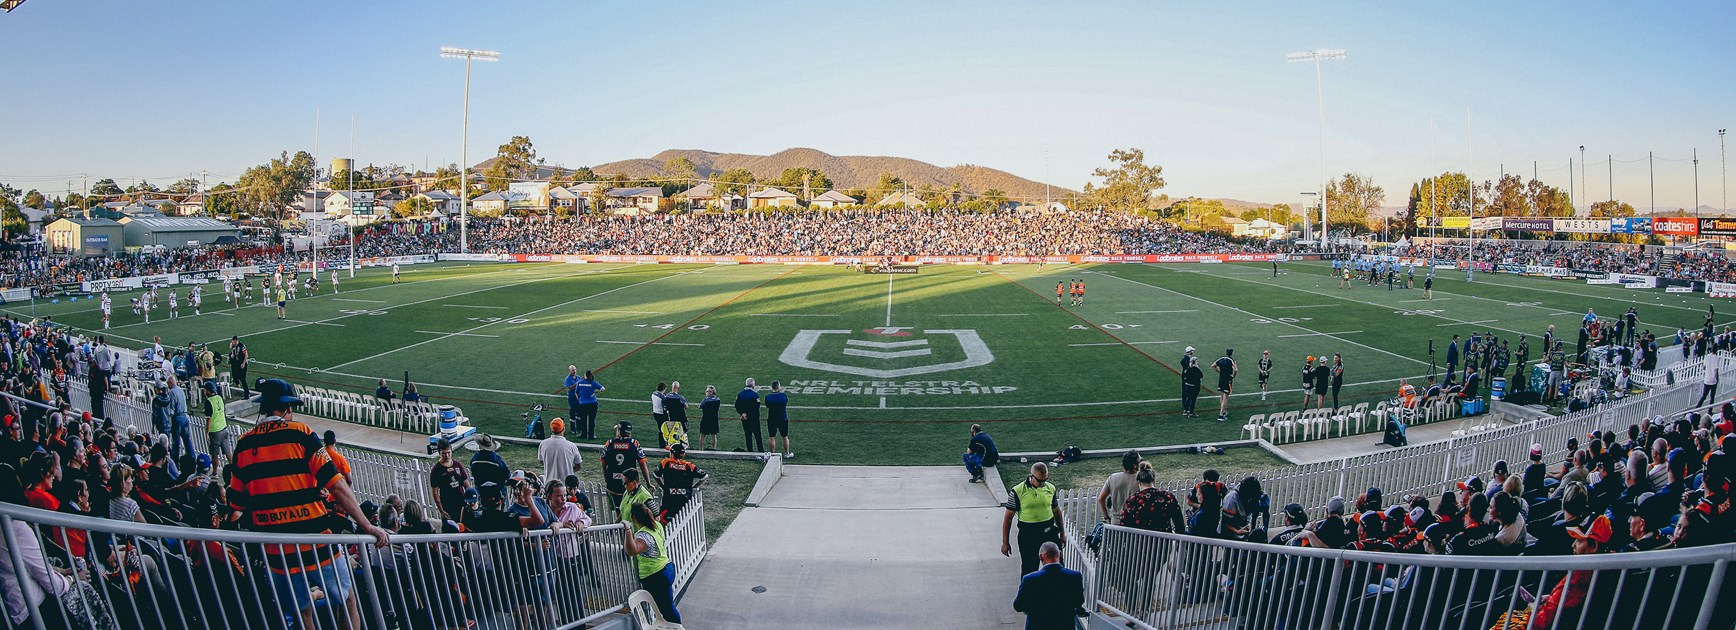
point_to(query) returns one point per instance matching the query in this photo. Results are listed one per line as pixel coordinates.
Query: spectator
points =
(980, 453)
(747, 405)
(1052, 596)
(559, 456)
(448, 480)
(383, 393)
(21, 598)
(1118, 487)
(708, 418)
(778, 418)
(1151, 509)
(280, 471)
(1565, 603)
(650, 553)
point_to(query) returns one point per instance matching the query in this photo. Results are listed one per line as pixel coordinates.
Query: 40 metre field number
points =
(491, 320)
(1281, 320)
(1105, 326)
(669, 326)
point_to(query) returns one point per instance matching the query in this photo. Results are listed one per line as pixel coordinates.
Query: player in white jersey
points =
(334, 282)
(292, 285)
(107, 306)
(196, 297)
(277, 278)
(174, 305)
(394, 273)
(145, 302)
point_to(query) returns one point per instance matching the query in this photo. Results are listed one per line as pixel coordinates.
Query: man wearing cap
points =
(679, 479)
(1191, 376)
(1322, 381)
(220, 443)
(1565, 603)
(620, 455)
(1647, 522)
(559, 456)
(276, 483)
(1307, 380)
(1328, 533)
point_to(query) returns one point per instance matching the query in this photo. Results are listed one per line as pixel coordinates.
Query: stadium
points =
(707, 389)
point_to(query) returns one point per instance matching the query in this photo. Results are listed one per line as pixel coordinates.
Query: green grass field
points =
(971, 344)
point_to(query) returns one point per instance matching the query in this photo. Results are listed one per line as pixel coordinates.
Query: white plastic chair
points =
(1341, 417)
(1287, 425)
(1252, 428)
(645, 612)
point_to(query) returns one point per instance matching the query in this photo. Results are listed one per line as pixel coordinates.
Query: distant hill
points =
(846, 171)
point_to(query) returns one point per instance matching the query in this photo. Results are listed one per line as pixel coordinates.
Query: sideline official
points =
(1033, 504)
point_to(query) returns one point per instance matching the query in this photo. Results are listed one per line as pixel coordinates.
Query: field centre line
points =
(1273, 319)
(889, 299)
(628, 312)
(1374, 304)
(432, 299)
(635, 401)
(695, 319)
(1087, 322)
(522, 316)
(1484, 321)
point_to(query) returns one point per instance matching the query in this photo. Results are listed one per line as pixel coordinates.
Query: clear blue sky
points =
(160, 90)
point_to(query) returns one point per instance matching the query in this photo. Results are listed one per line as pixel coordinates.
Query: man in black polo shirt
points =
(747, 405)
(1477, 538)
(1225, 366)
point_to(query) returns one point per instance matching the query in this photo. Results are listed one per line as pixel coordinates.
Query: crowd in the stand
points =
(31, 265)
(1665, 484)
(854, 233)
(278, 477)
(1712, 266)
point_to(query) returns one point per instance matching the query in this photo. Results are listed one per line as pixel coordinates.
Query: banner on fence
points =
(1455, 223)
(1582, 226)
(1528, 225)
(1720, 289)
(1675, 226)
(1718, 226)
(1635, 281)
(1630, 225)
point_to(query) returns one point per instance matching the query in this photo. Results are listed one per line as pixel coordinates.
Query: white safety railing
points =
(108, 574)
(1154, 580)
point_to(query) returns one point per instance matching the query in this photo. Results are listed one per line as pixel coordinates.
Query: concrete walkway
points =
(1365, 443)
(860, 547)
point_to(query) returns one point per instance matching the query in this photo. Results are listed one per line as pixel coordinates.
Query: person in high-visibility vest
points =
(1032, 502)
(219, 441)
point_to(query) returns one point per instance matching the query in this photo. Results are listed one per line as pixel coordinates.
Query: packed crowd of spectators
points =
(1600, 257)
(854, 233)
(31, 265)
(1665, 484)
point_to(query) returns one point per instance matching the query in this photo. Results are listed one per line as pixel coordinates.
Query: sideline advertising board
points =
(1675, 226)
(1582, 226)
(1528, 225)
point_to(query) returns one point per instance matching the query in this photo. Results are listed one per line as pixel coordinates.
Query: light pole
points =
(1723, 174)
(1581, 177)
(468, 56)
(1317, 56)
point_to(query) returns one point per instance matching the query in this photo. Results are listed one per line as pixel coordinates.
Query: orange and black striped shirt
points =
(281, 468)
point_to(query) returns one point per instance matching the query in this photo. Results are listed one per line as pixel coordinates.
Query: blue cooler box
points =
(1497, 388)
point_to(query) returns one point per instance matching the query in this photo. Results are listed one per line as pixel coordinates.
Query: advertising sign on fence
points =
(1630, 225)
(1635, 281)
(1675, 226)
(1528, 225)
(1720, 289)
(1582, 226)
(1718, 226)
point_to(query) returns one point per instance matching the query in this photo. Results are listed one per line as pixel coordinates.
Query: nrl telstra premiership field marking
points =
(522, 316)
(797, 355)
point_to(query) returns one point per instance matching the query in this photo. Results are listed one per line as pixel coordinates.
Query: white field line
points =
(1427, 300)
(983, 314)
(1117, 343)
(432, 299)
(1375, 304)
(524, 315)
(654, 343)
(1306, 306)
(889, 299)
(627, 312)
(1191, 310)
(437, 332)
(1320, 334)
(300, 321)
(793, 314)
(472, 306)
(1580, 295)
(1481, 321)
(356, 300)
(635, 401)
(1273, 319)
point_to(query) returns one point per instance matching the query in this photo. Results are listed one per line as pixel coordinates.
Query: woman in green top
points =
(651, 557)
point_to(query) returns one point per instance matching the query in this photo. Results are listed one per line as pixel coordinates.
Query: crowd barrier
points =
(1425, 469)
(135, 575)
(1153, 580)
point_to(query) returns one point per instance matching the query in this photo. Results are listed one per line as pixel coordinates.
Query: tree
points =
(354, 180)
(1128, 183)
(142, 188)
(792, 179)
(680, 168)
(279, 183)
(105, 190)
(994, 198)
(222, 201)
(446, 178)
(35, 199)
(1447, 194)
(1547, 201)
(184, 186)
(888, 184)
(413, 207)
(514, 161)
(735, 180)
(1611, 209)
(12, 220)
(1351, 200)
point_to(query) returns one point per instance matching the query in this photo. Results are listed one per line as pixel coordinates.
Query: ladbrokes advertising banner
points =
(1718, 226)
(1675, 226)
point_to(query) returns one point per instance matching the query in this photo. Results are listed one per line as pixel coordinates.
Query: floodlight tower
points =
(1317, 56)
(468, 56)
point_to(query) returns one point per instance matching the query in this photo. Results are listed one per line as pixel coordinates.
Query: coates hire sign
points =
(1582, 226)
(1718, 227)
(1528, 225)
(1676, 226)
(1630, 225)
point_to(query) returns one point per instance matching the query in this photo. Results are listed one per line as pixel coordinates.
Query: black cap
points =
(1295, 513)
(275, 394)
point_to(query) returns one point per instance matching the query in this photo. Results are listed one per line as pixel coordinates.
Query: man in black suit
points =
(1052, 595)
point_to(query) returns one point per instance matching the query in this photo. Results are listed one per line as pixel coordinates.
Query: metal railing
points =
(104, 573)
(1160, 580)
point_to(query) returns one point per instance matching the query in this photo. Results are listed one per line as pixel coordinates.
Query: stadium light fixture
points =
(468, 56)
(1318, 55)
